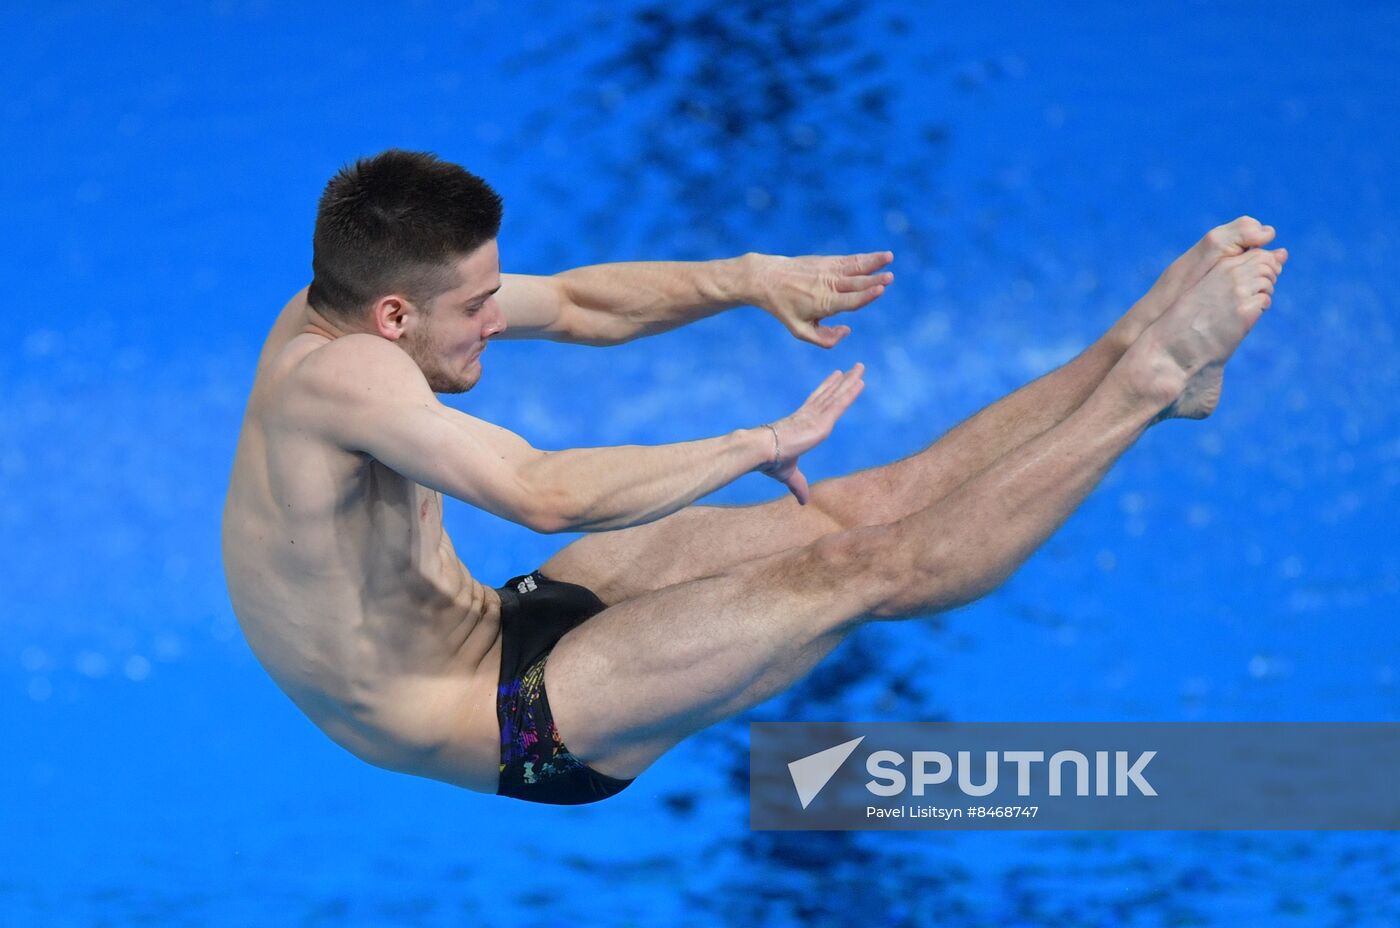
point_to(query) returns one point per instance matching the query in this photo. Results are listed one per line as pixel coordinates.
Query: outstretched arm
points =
(607, 304)
(367, 396)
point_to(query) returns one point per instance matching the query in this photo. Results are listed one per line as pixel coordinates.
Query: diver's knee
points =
(858, 564)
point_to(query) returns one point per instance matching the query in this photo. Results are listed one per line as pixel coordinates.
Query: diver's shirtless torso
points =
(349, 591)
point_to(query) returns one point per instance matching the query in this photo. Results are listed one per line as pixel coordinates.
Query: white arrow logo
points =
(811, 773)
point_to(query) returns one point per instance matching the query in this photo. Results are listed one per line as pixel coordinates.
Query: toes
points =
(1249, 310)
(1235, 237)
(1253, 233)
(1254, 270)
(1277, 259)
(1241, 259)
(1259, 258)
(1222, 241)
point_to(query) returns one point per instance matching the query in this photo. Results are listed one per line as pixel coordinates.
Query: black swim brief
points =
(535, 765)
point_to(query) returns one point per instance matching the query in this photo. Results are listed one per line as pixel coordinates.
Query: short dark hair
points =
(394, 223)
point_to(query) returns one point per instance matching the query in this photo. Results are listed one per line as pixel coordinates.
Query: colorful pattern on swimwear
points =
(528, 734)
(535, 766)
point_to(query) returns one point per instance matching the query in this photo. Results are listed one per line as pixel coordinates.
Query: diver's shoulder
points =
(355, 364)
(357, 355)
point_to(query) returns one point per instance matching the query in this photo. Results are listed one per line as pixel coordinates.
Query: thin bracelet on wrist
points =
(777, 447)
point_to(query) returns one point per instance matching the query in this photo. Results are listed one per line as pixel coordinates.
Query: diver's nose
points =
(498, 324)
(495, 319)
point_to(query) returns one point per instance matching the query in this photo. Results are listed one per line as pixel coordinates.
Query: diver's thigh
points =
(639, 677)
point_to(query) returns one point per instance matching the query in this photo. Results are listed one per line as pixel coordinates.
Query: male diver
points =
(564, 684)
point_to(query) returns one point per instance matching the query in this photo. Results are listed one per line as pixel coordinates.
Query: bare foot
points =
(1180, 358)
(1224, 241)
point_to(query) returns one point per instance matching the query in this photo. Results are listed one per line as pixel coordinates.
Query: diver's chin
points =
(458, 385)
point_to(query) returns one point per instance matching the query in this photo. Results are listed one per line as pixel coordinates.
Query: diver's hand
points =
(801, 292)
(794, 435)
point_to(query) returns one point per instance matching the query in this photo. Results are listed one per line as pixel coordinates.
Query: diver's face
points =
(450, 336)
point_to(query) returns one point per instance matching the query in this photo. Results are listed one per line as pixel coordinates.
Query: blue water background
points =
(1034, 166)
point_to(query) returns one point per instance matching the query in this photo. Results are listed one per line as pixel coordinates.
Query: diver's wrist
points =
(758, 445)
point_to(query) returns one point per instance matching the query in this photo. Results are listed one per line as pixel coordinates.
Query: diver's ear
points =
(389, 317)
